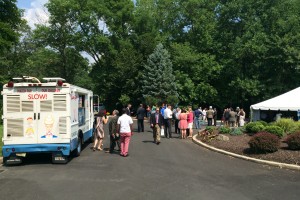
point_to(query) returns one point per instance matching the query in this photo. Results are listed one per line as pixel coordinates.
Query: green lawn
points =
(1, 134)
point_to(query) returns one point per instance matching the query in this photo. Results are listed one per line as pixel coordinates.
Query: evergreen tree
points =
(158, 77)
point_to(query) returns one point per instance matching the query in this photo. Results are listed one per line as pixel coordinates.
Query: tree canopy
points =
(217, 52)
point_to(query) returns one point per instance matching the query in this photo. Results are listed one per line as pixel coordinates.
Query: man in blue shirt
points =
(197, 114)
(162, 110)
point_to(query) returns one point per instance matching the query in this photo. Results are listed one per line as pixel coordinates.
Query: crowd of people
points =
(234, 118)
(161, 120)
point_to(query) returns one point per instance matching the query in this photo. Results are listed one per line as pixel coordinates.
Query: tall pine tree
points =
(158, 77)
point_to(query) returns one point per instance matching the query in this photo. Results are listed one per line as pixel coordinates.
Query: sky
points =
(34, 11)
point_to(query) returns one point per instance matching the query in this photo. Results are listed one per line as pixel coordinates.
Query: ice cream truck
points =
(49, 116)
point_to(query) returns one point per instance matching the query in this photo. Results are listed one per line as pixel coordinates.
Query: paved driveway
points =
(175, 169)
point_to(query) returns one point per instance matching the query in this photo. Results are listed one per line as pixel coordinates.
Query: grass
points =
(1, 135)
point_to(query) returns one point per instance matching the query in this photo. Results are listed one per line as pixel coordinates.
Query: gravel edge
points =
(272, 163)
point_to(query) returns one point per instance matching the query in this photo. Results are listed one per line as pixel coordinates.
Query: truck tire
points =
(78, 149)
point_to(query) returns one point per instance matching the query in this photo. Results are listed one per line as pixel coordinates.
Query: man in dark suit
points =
(156, 122)
(140, 115)
(128, 112)
(113, 135)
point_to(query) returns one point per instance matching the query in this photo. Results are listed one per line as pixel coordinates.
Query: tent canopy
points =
(289, 101)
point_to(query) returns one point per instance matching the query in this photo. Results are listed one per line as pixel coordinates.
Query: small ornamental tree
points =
(264, 142)
(158, 77)
(293, 141)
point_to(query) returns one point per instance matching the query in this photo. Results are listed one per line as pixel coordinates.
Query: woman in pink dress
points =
(183, 123)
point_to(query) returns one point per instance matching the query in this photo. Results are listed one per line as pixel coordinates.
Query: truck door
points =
(20, 119)
(52, 118)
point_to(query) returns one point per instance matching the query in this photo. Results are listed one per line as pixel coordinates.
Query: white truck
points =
(45, 117)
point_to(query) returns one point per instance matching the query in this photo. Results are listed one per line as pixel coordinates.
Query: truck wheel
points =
(79, 147)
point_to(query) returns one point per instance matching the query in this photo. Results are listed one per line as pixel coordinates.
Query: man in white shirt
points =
(125, 129)
(168, 121)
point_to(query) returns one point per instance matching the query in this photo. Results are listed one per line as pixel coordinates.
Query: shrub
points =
(288, 125)
(262, 122)
(250, 125)
(293, 141)
(258, 128)
(276, 130)
(243, 129)
(210, 129)
(224, 130)
(236, 131)
(264, 142)
(295, 128)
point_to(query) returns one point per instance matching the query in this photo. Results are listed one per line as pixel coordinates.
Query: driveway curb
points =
(276, 164)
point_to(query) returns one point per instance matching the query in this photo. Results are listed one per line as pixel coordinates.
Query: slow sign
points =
(37, 96)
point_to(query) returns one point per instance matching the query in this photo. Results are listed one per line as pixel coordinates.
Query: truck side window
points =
(81, 110)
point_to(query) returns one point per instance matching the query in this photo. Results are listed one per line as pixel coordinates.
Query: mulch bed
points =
(239, 145)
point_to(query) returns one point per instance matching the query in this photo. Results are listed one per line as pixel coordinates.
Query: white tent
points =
(289, 101)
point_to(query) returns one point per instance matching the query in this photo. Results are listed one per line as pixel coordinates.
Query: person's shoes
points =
(93, 148)
(157, 143)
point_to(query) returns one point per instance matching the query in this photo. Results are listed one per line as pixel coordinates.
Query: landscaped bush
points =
(224, 130)
(295, 128)
(288, 125)
(243, 129)
(258, 128)
(236, 131)
(250, 127)
(262, 122)
(276, 130)
(210, 129)
(264, 142)
(293, 141)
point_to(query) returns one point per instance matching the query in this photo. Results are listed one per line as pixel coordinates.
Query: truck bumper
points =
(7, 150)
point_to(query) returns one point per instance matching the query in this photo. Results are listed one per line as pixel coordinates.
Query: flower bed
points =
(239, 143)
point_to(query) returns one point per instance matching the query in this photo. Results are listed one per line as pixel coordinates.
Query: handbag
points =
(162, 132)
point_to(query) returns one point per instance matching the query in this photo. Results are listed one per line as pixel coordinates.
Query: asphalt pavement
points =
(175, 169)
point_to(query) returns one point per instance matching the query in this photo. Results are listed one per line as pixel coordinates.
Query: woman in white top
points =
(204, 114)
(242, 115)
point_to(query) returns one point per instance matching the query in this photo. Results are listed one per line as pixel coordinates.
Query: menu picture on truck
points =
(51, 116)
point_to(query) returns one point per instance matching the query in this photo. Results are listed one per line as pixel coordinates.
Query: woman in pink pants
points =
(125, 129)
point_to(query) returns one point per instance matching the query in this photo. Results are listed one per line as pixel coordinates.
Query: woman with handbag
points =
(99, 136)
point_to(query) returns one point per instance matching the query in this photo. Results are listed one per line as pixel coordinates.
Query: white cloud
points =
(37, 13)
